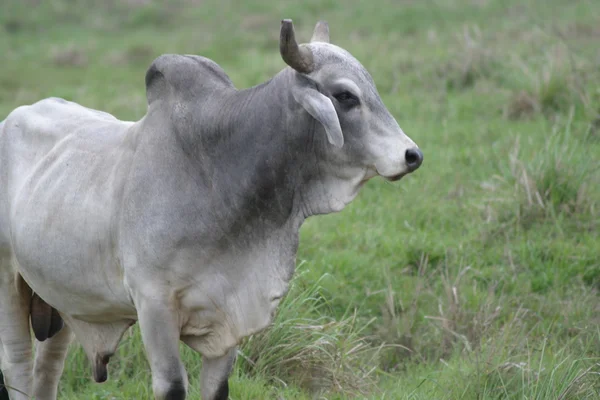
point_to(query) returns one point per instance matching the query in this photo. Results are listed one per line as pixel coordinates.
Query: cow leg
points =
(160, 334)
(214, 376)
(3, 393)
(15, 296)
(49, 363)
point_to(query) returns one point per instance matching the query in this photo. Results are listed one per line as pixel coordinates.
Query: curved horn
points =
(321, 33)
(299, 58)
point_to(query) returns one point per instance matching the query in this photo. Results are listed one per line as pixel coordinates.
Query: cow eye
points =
(346, 98)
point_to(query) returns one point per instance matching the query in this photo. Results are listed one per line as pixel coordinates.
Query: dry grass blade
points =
(306, 347)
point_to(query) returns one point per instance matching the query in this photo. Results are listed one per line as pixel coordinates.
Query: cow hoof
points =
(3, 392)
(176, 392)
(223, 391)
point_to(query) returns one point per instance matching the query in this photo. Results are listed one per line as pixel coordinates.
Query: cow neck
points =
(256, 152)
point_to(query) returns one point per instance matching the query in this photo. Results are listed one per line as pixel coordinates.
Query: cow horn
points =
(299, 58)
(321, 33)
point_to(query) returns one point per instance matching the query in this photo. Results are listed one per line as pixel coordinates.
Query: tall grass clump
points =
(471, 61)
(499, 344)
(307, 347)
(544, 374)
(553, 179)
(556, 85)
(446, 312)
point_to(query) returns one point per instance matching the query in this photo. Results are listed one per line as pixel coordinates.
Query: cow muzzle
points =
(413, 158)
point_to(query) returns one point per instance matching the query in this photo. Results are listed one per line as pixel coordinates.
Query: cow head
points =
(336, 90)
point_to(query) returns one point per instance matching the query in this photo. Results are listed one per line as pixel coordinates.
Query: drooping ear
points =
(320, 108)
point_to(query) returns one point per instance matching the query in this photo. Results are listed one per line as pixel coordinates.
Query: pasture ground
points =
(477, 277)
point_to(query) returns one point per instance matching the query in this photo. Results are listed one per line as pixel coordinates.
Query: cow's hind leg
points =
(49, 364)
(215, 374)
(3, 394)
(15, 297)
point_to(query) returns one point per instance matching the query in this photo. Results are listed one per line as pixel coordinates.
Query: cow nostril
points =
(414, 158)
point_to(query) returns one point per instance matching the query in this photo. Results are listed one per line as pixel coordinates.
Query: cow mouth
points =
(395, 178)
(391, 178)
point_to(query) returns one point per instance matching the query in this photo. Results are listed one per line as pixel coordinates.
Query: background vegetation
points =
(477, 277)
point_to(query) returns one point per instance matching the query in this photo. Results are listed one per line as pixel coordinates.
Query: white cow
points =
(186, 220)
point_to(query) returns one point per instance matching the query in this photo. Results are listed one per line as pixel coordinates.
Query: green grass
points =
(477, 277)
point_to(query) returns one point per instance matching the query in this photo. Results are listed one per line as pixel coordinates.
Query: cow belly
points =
(62, 240)
(86, 289)
(89, 299)
(71, 267)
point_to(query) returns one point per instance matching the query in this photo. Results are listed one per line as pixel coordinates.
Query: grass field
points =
(477, 277)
